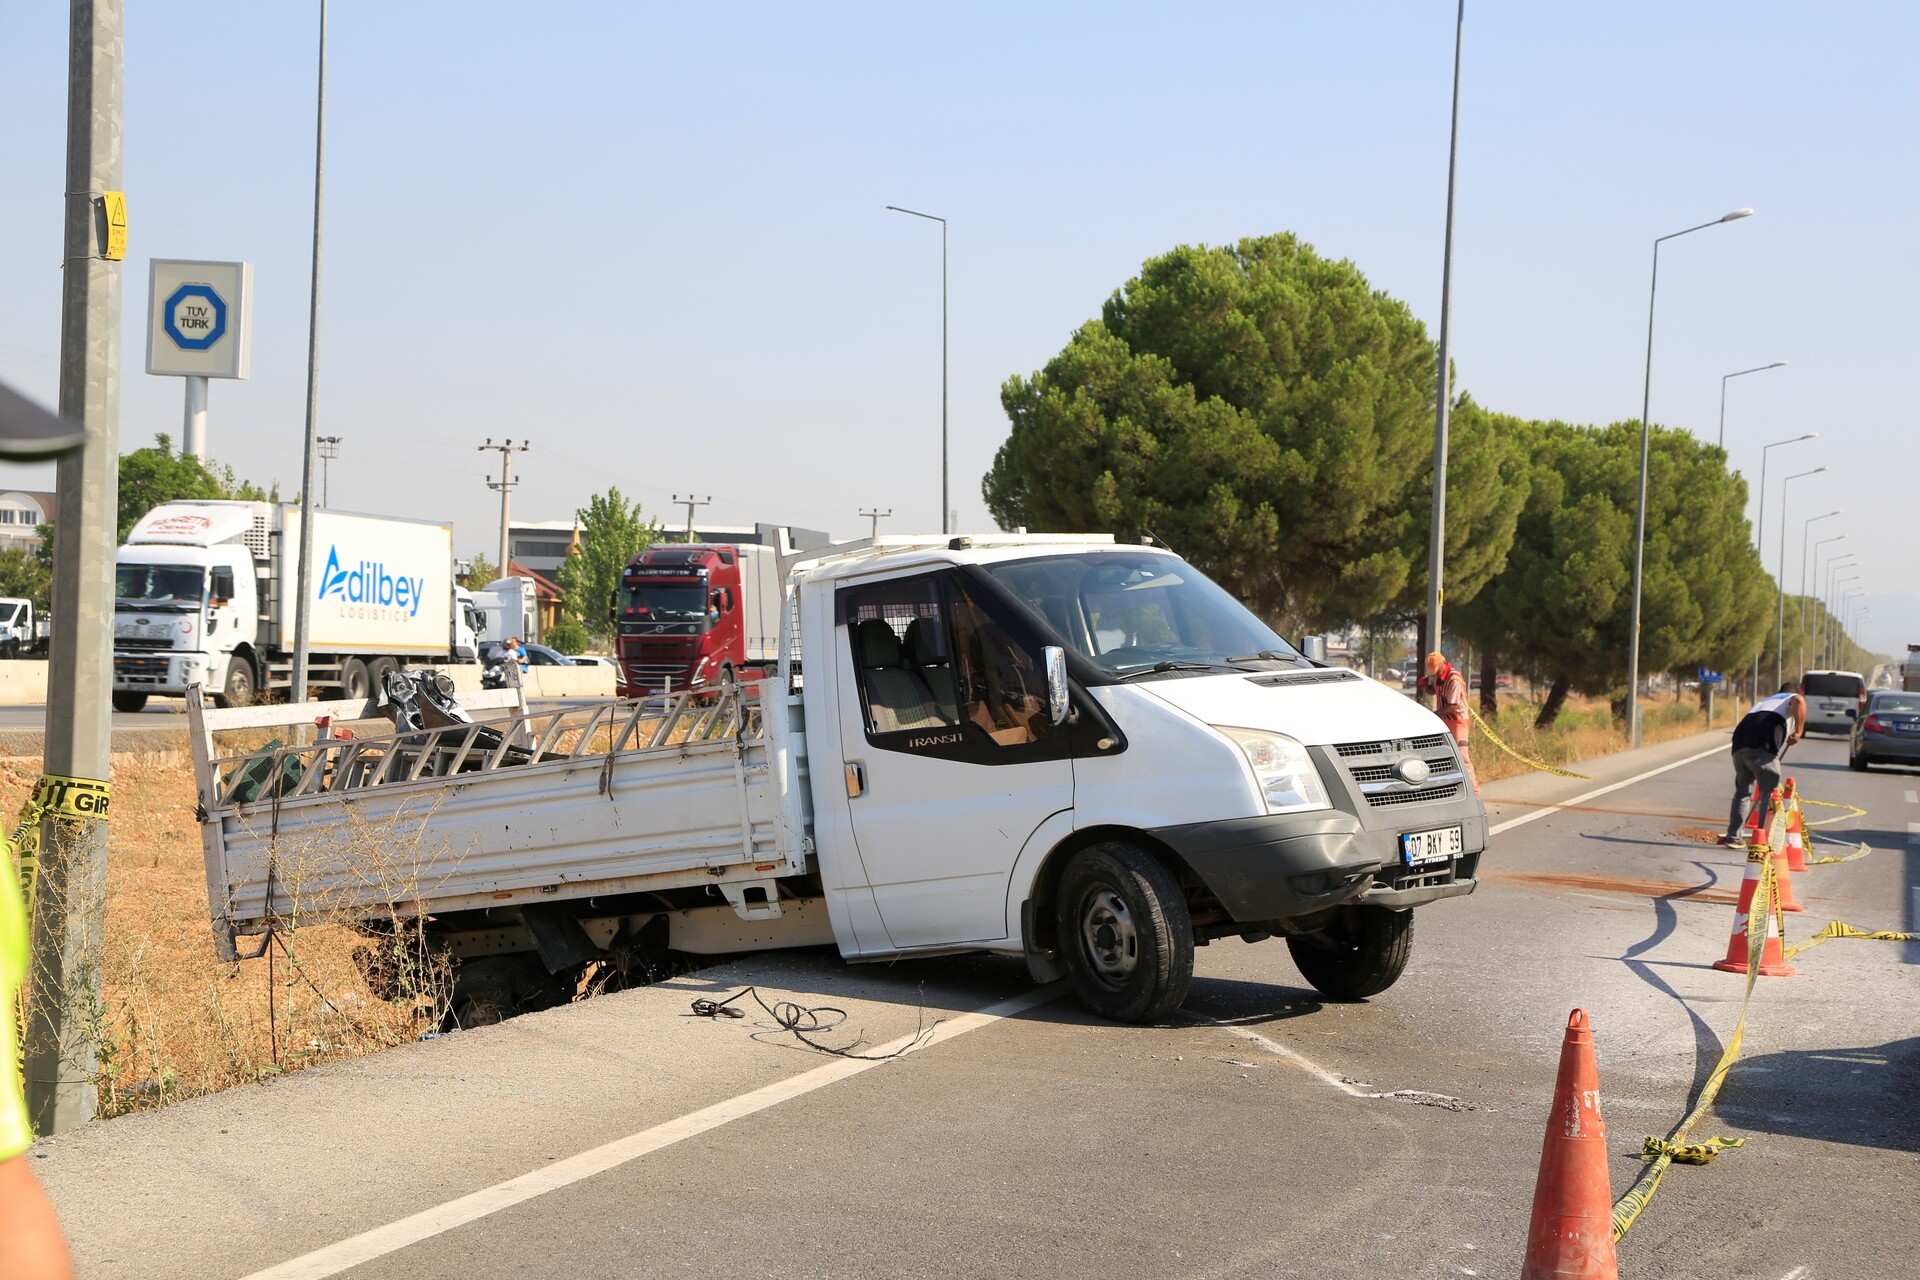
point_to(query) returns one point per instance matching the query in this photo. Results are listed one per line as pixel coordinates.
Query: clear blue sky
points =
(651, 239)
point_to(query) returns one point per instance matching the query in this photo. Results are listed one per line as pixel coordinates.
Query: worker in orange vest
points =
(1449, 690)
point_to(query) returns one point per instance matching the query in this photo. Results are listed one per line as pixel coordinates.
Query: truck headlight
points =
(1288, 781)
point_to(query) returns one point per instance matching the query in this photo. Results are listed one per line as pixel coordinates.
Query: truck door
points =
(952, 761)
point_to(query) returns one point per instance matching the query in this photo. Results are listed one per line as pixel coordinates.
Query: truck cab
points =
(1091, 754)
(688, 615)
(186, 605)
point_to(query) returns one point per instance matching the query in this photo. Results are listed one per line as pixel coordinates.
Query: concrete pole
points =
(193, 434)
(690, 502)
(70, 898)
(303, 613)
(1437, 532)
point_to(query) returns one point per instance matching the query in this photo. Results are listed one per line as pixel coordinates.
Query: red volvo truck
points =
(688, 614)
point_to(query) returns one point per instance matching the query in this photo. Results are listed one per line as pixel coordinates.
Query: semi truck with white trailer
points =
(206, 595)
(1058, 747)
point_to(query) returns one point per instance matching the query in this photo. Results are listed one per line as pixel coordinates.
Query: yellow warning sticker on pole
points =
(116, 204)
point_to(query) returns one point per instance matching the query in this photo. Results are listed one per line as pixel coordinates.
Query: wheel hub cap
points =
(1108, 934)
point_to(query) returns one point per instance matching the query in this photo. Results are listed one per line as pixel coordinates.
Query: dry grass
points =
(1585, 729)
(176, 1022)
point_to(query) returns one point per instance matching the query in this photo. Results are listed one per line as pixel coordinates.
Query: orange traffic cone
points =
(1796, 830)
(1759, 836)
(1773, 962)
(1571, 1234)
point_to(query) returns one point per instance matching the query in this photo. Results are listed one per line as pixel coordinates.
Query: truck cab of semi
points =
(186, 603)
(695, 614)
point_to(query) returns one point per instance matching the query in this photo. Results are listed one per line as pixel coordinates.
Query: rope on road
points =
(1530, 762)
(801, 1019)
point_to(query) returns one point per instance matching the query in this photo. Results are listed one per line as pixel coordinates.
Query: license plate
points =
(1418, 847)
(1833, 706)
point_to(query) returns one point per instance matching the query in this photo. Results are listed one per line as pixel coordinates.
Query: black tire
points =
(1856, 763)
(1360, 955)
(492, 989)
(355, 683)
(239, 688)
(1122, 922)
(129, 701)
(377, 672)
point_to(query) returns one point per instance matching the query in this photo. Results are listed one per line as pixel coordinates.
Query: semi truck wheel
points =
(129, 701)
(1122, 921)
(354, 683)
(1360, 955)
(238, 691)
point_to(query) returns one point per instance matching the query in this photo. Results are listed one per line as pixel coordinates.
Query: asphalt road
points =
(1265, 1134)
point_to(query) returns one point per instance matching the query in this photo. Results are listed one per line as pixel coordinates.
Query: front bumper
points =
(162, 672)
(1283, 865)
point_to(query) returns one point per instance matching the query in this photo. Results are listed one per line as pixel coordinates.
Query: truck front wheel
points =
(238, 691)
(1361, 954)
(1123, 924)
(129, 701)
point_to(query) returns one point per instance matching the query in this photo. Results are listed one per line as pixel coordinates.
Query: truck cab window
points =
(930, 656)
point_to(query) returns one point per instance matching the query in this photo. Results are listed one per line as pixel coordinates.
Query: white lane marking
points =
(428, 1223)
(1913, 797)
(1798, 1273)
(1525, 818)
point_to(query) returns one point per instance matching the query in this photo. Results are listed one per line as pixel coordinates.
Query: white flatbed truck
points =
(1059, 747)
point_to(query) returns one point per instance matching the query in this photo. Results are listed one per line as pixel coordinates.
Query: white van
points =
(1834, 700)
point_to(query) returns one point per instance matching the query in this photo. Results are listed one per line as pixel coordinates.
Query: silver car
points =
(1888, 731)
(1834, 700)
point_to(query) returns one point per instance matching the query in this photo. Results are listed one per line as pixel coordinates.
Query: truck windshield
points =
(679, 603)
(147, 585)
(1130, 612)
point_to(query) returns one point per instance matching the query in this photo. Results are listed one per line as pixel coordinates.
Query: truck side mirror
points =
(1057, 687)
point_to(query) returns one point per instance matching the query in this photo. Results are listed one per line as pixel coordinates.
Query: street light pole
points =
(1760, 530)
(1826, 598)
(1842, 588)
(1800, 605)
(1780, 576)
(944, 509)
(1722, 440)
(329, 450)
(1806, 632)
(1437, 534)
(876, 515)
(1640, 510)
(309, 451)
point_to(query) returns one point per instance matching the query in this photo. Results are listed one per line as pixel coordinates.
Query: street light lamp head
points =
(1738, 214)
(1778, 364)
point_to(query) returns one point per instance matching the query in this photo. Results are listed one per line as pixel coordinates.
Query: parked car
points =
(531, 655)
(1835, 699)
(1888, 732)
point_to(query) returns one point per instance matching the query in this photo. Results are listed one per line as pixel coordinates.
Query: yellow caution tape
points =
(1835, 929)
(1690, 1152)
(68, 799)
(1531, 763)
(1662, 1153)
(1852, 811)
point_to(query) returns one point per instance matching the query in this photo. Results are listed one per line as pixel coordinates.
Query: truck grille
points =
(1382, 772)
(1426, 742)
(144, 644)
(1428, 796)
(148, 670)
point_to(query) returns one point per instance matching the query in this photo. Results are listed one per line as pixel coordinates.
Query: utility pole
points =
(504, 485)
(303, 611)
(690, 502)
(70, 891)
(875, 515)
(329, 450)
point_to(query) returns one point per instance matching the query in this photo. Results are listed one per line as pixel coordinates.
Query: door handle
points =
(856, 778)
